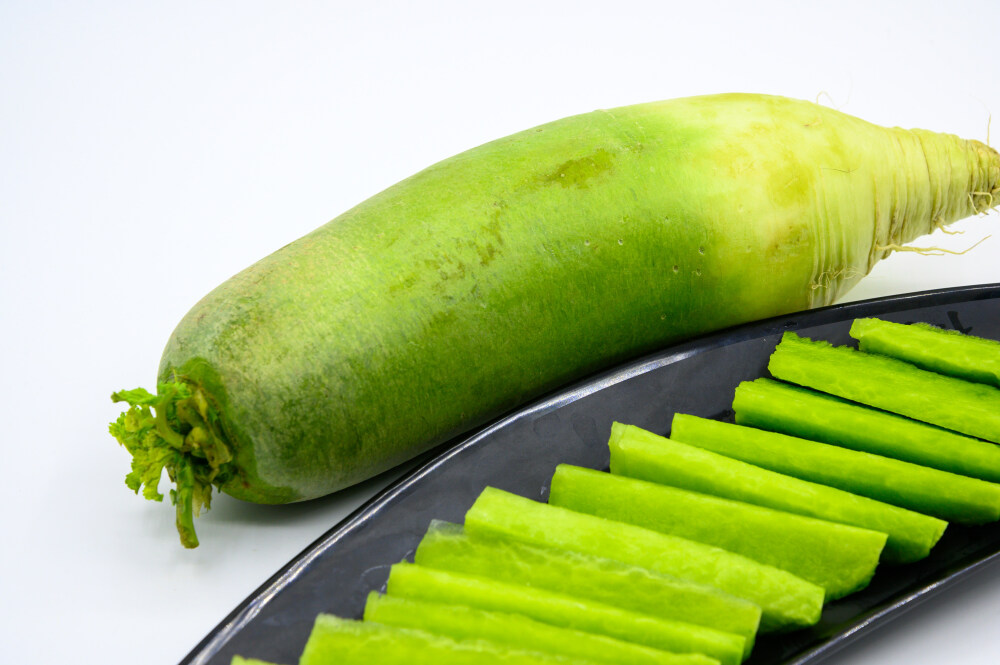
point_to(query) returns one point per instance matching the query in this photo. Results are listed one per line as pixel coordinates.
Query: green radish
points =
(564, 610)
(786, 600)
(789, 409)
(348, 642)
(837, 557)
(889, 384)
(935, 349)
(637, 453)
(506, 271)
(447, 547)
(948, 496)
(460, 622)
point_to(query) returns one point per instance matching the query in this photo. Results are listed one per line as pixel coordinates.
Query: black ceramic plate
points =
(520, 452)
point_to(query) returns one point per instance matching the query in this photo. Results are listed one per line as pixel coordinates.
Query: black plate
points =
(520, 452)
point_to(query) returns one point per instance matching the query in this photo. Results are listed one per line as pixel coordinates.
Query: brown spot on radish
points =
(579, 172)
(403, 284)
(486, 254)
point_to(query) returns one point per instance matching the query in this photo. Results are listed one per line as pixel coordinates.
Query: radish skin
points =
(513, 268)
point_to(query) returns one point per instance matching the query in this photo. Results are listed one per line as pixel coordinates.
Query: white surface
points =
(150, 150)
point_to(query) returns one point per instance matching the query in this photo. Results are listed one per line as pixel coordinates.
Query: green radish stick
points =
(447, 546)
(566, 611)
(349, 642)
(837, 557)
(790, 409)
(640, 454)
(934, 349)
(948, 496)
(238, 660)
(463, 623)
(889, 384)
(786, 601)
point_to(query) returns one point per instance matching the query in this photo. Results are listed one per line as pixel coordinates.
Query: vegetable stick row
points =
(694, 543)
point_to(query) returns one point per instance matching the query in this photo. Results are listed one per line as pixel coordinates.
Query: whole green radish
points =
(508, 270)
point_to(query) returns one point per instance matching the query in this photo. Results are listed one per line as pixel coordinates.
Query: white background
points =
(148, 151)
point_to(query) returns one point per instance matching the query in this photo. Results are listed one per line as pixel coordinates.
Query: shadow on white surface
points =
(226, 509)
(925, 633)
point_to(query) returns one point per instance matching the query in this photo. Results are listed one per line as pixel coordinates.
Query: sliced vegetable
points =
(462, 623)
(785, 600)
(935, 349)
(640, 454)
(448, 547)
(948, 496)
(349, 350)
(347, 642)
(416, 582)
(839, 558)
(791, 409)
(889, 384)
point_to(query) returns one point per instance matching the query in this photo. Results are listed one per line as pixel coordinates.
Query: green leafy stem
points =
(178, 430)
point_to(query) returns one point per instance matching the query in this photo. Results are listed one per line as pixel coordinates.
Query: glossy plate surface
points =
(520, 452)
